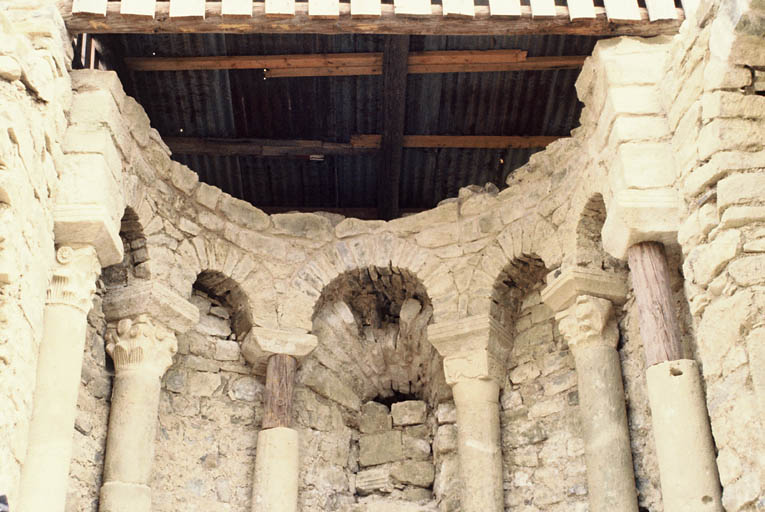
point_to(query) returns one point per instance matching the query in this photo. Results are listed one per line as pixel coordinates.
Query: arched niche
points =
(371, 391)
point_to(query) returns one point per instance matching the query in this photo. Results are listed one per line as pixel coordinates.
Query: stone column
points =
(638, 224)
(474, 351)
(45, 473)
(582, 299)
(142, 345)
(277, 463)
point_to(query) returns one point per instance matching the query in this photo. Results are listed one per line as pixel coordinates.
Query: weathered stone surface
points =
(227, 350)
(410, 412)
(375, 417)
(419, 473)
(380, 448)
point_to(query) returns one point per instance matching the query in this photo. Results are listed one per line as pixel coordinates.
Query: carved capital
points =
(588, 322)
(475, 347)
(141, 344)
(74, 277)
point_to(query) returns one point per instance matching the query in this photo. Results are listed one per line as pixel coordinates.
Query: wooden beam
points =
(388, 23)
(659, 327)
(395, 58)
(280, 383)
(458, 59)
(262, 147)
(359, 144)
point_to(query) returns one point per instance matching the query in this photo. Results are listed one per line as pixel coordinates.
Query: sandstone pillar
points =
(277, 463)
(45, 474)
(474, 351)
(684, 445)
(582, 300)
(142, 344)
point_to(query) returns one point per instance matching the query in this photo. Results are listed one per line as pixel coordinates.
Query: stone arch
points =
(588, 249)
(522, 276)
(383, 250)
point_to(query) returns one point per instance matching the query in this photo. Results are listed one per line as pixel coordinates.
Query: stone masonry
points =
(671, 149)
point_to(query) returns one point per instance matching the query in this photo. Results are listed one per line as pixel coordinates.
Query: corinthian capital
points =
(74, 277)
(588, 322)
(141, 344)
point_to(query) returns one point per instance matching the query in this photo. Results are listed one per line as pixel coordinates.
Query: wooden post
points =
(658, 321)
(280, 382)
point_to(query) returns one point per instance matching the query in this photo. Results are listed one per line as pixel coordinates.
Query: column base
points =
(684, 448)
(125, 497)
(275, 486)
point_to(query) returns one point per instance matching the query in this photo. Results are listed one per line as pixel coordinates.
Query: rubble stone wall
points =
(675, 116)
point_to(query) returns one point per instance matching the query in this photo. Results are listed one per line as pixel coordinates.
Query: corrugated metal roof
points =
(240, 103)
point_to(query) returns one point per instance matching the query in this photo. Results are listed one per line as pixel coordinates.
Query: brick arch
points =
(378, 250)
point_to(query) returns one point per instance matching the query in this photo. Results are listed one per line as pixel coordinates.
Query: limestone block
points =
(737, 216)
(566, 284)
(419, 473)
(636, 216)
(720, 165)
(324, 382)
(707, 260)
(154, 299)
(375, 417)
(306, 225)
(409, 412)
(748, 271)
(731, 134)
(243, 213)
(226, 350)
(78, 224)
(380, 448)
(739, 189)
(643, 165)
(478, 332)
(732, 104)
(375, 479)
(10, 69)
(260, 344)
(203, 383)
(446, 439)
(352, 227)
(446, 413)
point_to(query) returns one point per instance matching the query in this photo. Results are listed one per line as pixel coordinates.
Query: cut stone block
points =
(374, 418)
(411, 412)
(377, 449)
(374, 480)
(419, 473)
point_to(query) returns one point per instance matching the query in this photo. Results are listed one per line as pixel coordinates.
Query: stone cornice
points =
(74, 277)
(588, 322)
(565, 285)
(141, 345)
(153, 299)
(260, 344)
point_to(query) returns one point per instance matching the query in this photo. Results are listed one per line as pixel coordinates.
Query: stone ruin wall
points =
(701, 106)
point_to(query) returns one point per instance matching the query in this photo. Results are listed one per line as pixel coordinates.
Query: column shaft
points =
(45, 474)
(478, 437)
(275, 483)
(684, 445)
(130, 442)
(610, 477)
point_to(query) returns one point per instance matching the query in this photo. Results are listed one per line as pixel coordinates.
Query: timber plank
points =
(234, 7)
(458, 8)
(187, 8)
(324, 8)
(89, 7)
(581, 9)
(388, 23)
(542, 8)
(623, 10)
(366, 8)
(412, 7)
(138, 7)
(280, 8)
(661, 10)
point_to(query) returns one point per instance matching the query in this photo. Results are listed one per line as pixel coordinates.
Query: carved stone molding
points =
(475, 347)
(566, 284)
(588, 322)
(152, 298)
(74, 277)
(141, 344)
